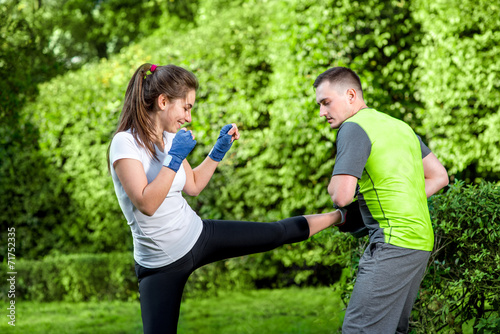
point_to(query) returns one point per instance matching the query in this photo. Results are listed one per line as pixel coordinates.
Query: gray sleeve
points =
(353, 150)
(425, 150)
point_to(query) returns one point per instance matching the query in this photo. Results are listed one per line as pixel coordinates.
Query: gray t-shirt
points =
(354, 147)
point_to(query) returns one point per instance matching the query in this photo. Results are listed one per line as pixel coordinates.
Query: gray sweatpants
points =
(386, 287)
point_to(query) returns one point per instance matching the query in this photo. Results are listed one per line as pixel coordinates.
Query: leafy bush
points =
(462, 280)
(457, 81)
(257, 72)
(76, 277)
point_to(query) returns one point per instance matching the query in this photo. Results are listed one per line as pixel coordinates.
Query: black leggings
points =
(161, 288)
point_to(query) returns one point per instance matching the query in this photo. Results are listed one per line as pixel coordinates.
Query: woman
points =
(147, 158)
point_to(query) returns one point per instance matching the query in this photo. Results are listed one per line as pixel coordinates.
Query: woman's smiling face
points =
(176, 113)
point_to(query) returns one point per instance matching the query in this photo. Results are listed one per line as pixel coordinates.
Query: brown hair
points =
(147, 83)
(340, 76)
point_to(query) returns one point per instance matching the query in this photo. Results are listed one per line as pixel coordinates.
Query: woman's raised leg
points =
(224, 239)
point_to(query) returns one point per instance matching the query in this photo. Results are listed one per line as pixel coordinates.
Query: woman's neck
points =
(159, 137)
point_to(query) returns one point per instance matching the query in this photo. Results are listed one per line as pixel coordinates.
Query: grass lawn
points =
(305, 310)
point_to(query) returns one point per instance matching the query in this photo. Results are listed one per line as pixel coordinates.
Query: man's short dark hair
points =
(340, 75)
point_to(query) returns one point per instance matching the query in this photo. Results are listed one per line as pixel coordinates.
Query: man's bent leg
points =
(384, 283)
(414, 286)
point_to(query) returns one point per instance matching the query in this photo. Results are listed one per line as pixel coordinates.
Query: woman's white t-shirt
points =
(174, 228)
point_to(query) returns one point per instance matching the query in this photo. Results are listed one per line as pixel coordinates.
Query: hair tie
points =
(150, 71)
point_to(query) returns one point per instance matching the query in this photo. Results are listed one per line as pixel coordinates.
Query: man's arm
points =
(435, 175)
(342, 188)
(353, 150)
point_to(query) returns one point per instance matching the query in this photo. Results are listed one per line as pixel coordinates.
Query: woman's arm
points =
(198, 178)
(147, 198)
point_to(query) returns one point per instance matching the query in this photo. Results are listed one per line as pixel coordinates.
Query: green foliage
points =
(259, 73)
(457, 81)
(462, 283)
(65, 179)
(24, 174)
(489, 325)
(76, 277)
(77, 142)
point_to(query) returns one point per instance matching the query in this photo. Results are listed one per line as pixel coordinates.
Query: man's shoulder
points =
(350, 128)
(371, 119)
(368, 114)
(352, 135)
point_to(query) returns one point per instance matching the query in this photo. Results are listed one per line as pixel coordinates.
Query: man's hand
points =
(352, 221)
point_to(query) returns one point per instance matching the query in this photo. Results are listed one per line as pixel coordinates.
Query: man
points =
(396, 173)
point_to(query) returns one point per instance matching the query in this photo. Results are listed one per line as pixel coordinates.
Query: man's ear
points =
(351, 95)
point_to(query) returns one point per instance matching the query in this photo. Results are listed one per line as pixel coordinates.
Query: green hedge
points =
(76, 277)
(462, 284)
(457, 79)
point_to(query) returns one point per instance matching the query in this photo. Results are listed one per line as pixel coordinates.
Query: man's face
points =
(333, 104)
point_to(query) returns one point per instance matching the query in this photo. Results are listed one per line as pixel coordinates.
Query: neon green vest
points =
(392, 184)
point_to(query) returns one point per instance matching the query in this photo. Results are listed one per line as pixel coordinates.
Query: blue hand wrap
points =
(222, 145)
(182, 145)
